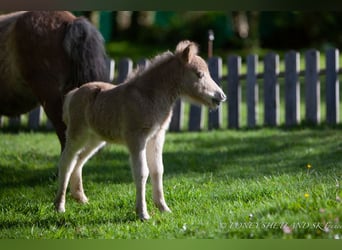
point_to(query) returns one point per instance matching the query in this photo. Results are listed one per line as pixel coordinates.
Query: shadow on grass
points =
(25, 173)
(255, 155)
(238, 154)
(106, 166)
(66, 221)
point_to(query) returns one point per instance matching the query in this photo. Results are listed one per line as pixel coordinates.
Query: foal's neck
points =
(160, 83)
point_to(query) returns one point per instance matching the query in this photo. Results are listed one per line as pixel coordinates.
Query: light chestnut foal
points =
(135, 113)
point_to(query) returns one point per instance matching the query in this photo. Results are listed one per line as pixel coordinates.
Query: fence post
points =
(34, 118)
(252, 90)
(271, 90)
(292, 89)
(215, 69)
(332, 86)
(234, 91)
(125, 68)
(312, 88)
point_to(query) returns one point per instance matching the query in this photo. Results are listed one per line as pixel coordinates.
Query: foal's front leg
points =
(140, 174)
(155, 165)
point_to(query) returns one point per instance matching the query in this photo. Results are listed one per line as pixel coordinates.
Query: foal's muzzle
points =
(218, 98)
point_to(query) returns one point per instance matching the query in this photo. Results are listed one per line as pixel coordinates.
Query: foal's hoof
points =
(166, 210)
(60, 208)
(144, 217)
(81, 199)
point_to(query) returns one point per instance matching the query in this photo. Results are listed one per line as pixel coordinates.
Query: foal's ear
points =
(186, 50)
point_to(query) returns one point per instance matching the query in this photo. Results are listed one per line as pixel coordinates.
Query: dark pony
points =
(43, 55)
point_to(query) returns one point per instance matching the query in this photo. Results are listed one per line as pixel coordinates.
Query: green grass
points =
(219, 184)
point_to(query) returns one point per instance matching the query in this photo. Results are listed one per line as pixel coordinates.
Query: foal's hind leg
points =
(155, 165)
(76, 186)
(66, 166)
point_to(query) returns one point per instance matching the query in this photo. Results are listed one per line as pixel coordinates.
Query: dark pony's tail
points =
(84, 45)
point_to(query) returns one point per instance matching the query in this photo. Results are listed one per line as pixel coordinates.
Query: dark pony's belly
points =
(16, 107)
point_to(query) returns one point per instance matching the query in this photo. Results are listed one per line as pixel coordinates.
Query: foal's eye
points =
(200, 74)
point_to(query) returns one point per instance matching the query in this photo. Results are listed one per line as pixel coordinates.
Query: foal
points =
(136, 113)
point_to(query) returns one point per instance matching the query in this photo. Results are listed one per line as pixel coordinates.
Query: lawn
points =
(265, 183)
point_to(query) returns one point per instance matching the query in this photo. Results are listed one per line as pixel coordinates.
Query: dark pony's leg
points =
(51, 99)
(53, 109)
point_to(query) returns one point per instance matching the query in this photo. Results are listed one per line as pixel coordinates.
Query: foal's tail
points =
(84, 45)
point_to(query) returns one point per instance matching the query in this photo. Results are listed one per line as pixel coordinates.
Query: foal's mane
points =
(150, 65)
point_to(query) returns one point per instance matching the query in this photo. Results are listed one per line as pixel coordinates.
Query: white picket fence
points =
(258, 89)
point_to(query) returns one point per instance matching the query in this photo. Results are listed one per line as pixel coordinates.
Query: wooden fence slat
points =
(252, 91)
(312, 87)
(15, 121)
(271, 90)
(292, 89)
(332, 86)
(125, 67)
(215, 69)
(177, 116)
(196, 118)
(111, 68)
(234, 91)
(143, 63)
(34, 118)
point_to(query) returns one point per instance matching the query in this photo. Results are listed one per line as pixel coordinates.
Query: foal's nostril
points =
(220, 97)
(223, 97)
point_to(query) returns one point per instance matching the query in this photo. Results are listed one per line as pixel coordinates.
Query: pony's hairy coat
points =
(135, 113)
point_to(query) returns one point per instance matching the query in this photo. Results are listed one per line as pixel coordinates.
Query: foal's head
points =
(197, 84)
